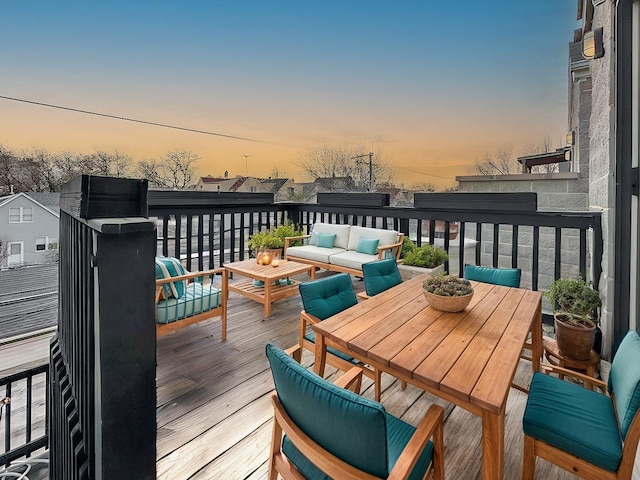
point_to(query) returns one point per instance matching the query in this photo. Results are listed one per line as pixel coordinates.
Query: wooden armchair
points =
(331, 431)
(592, 435)
(322, 299)
(379, 276)
(184, 298)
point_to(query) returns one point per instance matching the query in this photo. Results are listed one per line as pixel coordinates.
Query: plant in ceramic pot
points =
(448, 293)
(418, 260)
(575, 315)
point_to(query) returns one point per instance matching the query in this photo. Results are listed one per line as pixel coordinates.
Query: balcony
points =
(213, 416)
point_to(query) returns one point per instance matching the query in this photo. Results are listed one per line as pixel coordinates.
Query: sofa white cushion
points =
(385, 237)
(341, 232)
(351, 259)
(311, 252)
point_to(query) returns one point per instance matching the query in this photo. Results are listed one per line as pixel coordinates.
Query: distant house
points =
(29, 226)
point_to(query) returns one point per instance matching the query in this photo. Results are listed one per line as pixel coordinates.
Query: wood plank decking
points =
(214, 413)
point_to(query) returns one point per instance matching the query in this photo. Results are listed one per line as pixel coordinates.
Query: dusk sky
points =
(433, 85)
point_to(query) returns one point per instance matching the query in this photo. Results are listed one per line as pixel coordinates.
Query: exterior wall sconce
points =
(571, 138)
(593, 44)
(567, 154)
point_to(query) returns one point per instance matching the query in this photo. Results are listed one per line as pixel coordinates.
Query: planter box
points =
(408, 272)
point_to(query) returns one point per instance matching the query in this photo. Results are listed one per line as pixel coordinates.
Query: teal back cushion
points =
(380, 276)
(349, 426)
(325, 297)
(325, 240)
(167, 267)
(624, 380)
(507, 277)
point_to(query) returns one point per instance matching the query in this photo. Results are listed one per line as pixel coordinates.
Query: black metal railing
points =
(208, 230)
(20, 410)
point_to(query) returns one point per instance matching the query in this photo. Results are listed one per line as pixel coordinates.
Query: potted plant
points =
(273, 239)
(416, 260)
(448, 293)
(575, 306)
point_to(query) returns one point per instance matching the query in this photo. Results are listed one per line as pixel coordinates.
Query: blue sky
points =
(434, 85)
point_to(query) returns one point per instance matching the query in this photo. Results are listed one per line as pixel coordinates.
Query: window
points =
(41, 244)
(254, 189)
(20, 214)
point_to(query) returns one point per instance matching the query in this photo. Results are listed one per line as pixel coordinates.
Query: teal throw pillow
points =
(325, 240)
(367, 245)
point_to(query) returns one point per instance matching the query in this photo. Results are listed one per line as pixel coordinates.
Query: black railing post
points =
(102, 393)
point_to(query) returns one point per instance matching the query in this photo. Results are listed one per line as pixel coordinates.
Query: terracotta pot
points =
(574, 342)
(447, 304)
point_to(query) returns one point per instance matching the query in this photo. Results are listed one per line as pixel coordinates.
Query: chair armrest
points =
(394, 246)
(548, 369)
(308, 318)
(289, 240)
(192, 275)
(351, 380)
(430, 426)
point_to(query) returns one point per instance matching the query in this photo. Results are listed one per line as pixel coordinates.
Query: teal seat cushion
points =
(579, 421)
(311, 336)
(380, 276)
(167, 267)
(507, 277)
(325, 297)
(196, 299)
(353, 428)
(624, 379)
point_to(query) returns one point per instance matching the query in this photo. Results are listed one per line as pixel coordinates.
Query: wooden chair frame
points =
(431, 426)
(374, 374)
(166, 328)
(537, 448)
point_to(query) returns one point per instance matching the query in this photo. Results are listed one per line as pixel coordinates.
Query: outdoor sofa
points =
(344, 248)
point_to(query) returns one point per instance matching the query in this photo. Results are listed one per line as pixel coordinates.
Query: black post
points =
(103, 420)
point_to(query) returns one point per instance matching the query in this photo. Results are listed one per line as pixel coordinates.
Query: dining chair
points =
(590, 434)
(322, 299)
(379, 276)
(332, 432)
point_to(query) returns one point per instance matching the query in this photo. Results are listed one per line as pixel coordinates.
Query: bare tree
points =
(175, 170)
(502, 162)
(325, 161)
(542, 147)
(423, 187)
(114, 164)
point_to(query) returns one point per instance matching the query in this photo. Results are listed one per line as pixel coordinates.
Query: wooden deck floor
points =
(214, 413)
(213, 401)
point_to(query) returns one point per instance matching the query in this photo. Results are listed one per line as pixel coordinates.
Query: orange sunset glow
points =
(429, 101)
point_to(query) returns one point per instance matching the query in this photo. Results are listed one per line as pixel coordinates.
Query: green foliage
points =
(428, 256)
(274, 237)
(407, 246)
(447, 285)
(574, 297)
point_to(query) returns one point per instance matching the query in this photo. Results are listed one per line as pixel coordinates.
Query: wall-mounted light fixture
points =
(593, 44)
(567, 154)
(571, 138)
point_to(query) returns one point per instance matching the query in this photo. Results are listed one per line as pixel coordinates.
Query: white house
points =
(28, 230)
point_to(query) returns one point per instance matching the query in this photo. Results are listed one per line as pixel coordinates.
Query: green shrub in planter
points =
(427, 256)
(274, 237)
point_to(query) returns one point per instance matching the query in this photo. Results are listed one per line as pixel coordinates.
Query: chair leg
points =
(403, 384)
(528, 458)
(276, 443)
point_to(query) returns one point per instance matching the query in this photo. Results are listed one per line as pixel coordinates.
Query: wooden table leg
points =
(536, 340)
(492, 445)
(321, 355)
(267, 298)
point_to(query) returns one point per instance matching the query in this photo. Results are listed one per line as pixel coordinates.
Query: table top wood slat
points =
(267, 272)
(471, 362)
(495, 380)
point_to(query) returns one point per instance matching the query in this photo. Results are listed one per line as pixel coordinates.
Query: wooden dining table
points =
(468, 358)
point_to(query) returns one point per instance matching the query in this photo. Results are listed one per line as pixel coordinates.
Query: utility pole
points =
(370, 155)
(246, 165)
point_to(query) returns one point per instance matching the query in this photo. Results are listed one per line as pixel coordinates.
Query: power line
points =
(117, 117)
(422, 173)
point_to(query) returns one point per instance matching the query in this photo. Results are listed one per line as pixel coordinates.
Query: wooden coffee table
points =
(267, 293)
